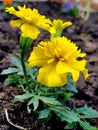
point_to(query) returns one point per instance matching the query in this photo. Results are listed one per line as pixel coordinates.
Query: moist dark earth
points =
(83, 33)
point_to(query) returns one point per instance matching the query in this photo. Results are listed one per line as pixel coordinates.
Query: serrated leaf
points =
(20, 73)
(23, 97)
(64, 115)
(71, 88)
(35, 103)
(70, 126)
(87, 112)
(44, 113)
(87, 126)
(9, 71)
(15, 61)
(49, 100)
(13, 79)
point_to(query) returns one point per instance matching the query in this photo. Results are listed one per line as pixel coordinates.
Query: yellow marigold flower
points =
(58, 26)
(57, 58)
(29, 21)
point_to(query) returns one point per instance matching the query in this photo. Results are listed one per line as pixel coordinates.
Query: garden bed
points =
(83, 33)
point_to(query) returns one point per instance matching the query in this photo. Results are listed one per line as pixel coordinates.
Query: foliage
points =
(58, 59)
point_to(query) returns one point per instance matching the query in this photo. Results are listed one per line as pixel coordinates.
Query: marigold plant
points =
(50, 73)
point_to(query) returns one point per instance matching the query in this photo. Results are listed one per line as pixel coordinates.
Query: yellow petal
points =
(29, 31)
(49, 77)
(85, 73)
(11, 10)
(52, 30)
(16, 23)
(82, 54)
(58, 25)
(44, 23)
(66, 24)
(62, 68)
(37, 57)
(77, 65)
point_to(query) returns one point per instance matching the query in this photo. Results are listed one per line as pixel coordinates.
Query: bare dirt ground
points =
(84, 34)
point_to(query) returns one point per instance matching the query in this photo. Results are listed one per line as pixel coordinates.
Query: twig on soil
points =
(7, 117)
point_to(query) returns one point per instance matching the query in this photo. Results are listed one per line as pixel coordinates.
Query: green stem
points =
(24, 69)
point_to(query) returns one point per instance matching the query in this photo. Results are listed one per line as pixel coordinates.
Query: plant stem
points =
(22, 53)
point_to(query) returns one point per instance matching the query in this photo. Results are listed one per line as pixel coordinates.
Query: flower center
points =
(58, 55)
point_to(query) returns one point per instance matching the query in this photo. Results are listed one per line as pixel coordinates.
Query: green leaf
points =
(15, 61)
(35, 103)
(67, 95)
(87, 126)
(71, 88)
(49, 100)
(13, 79)
(87, 112)
(69, 79)
(23, 96)
(70, 126)
(44, 113)
(65, 115)
(9, 71)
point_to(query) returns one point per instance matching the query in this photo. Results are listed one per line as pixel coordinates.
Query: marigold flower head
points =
(7, 2)
(57, 58)
(58, 26)
(29, 21)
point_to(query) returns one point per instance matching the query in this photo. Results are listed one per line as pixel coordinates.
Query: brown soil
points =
(84, 34)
